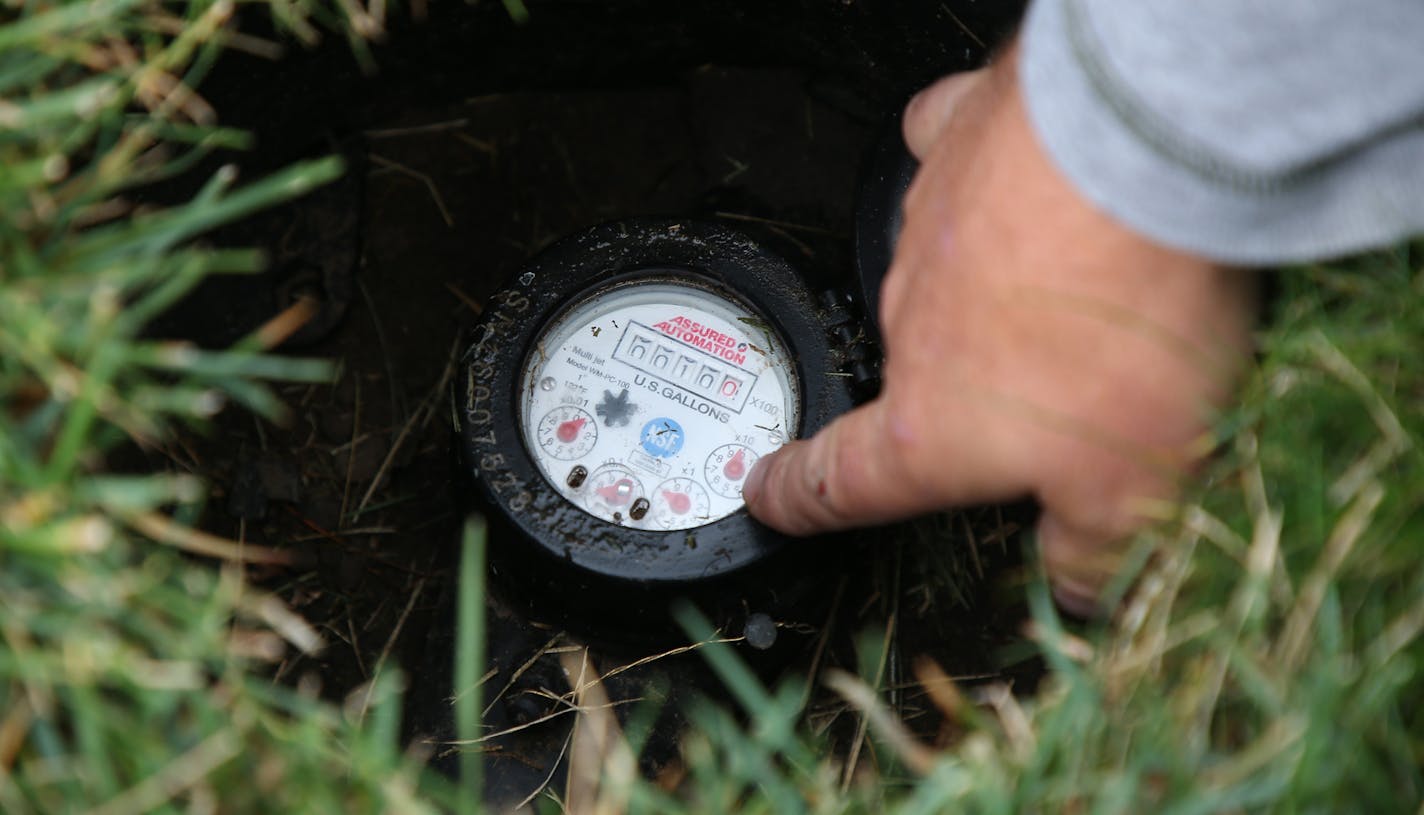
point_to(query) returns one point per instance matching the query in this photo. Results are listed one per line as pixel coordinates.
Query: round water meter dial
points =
(678, 500)
(672, 371)
(621, 388)
(566, 432)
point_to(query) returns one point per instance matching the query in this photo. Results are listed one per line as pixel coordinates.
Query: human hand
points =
(1034, 346)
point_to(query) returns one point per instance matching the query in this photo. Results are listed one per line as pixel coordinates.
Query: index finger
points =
(849, 474)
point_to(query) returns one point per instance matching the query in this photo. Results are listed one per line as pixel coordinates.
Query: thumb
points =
(930, 111)
(849, 474)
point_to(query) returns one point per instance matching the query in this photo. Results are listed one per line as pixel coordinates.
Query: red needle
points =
(736, 467)
(678, 502)
(568, 431)
(618, 492)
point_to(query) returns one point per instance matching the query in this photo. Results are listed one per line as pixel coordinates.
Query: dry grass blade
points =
(548, 717)
(1072, 647)
(284, 621)
(861, 728)
(165, 530)
(825, 637)
(739, 216)
(423, 179)
(415, 130)
(553, 768)
(943, 691)
(520, 671)
(1016, 723)
(351, 449)
(682, 649)
(418, 420)
(1296, 638)
(891, 730)
(601, 766)
(390, 643)
(1280, 745)
(1148, 628)
(13, 731)
(969, 32)
(287, 322)
(183, 772)
(1395, 439)
(228, 38)
(1250, 597)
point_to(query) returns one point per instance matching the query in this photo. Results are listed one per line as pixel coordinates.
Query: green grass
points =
(131, 673)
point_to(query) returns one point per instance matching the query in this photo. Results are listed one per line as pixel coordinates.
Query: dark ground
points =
(475, 145)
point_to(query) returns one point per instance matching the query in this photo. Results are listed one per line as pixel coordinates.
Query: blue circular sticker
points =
(662, 437)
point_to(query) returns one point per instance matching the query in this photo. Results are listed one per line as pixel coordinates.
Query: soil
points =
(475, 144)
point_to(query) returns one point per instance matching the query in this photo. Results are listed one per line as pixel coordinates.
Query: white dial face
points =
(658, 384)
(681, 502)
(614, 492)
(567, 433)
(727, 467)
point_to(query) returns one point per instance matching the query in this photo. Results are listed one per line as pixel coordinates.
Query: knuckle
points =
(862, 473)
(837, 482)
(909, 438)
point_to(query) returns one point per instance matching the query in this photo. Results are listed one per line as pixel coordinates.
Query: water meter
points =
(621, 387)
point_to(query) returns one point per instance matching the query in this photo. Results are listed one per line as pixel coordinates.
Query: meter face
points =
(646, 405)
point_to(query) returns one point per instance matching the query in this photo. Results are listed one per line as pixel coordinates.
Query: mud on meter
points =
(620, 389)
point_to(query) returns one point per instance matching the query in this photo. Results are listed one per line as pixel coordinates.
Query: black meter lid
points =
(622, 385)
(879, 212)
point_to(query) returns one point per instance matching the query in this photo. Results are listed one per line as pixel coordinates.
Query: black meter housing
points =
(880, 215)
(576, 565)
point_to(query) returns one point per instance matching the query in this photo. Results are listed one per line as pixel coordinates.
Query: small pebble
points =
(760, 631)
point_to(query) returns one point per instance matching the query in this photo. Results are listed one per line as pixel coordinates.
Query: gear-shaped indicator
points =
(615, 410)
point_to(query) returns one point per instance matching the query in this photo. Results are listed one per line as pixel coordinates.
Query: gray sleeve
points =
(1249, 132)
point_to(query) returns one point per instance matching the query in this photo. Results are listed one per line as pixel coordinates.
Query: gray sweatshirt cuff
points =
(1243, 139)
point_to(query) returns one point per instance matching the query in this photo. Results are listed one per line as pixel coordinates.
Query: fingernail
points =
(751, 489)
(1077, 601)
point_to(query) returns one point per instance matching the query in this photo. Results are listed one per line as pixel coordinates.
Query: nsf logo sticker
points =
(662, 438)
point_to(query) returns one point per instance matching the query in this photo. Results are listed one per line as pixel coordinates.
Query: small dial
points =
(567, 432)
(679, 503)
(727, 467)
(612, 491)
